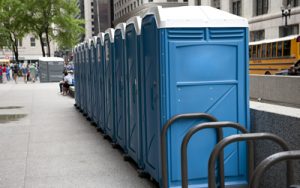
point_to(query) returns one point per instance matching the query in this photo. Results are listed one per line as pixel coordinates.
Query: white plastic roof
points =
(137, 22)
(51, 59)
(274, 40)
(111, 34)
(122, 27)
(91, 41)
(194, 16)
(101, 36)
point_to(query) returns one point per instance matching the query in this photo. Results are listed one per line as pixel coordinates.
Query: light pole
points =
(286, 12)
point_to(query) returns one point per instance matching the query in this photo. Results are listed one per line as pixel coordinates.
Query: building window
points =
(44, 41)
(294, 3)
(257, 35)
(288, 30)
(236, 7)
(197, 2)
(20, 42)
(32, 41)
(216, 4)
(261, 7)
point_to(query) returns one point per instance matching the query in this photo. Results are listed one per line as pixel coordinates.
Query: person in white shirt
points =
(68, 81)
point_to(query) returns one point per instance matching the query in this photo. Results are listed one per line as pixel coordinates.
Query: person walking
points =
(15, 71)
(8, 73)
(1, 73)
(32, 70)
(25, 72)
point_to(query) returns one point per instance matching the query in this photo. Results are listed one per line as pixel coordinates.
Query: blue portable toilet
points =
(109, 79)
(76, 74)
(83, 74)
(194, 59)
(81, 79)
(100, 81)
(93, 85)
(120, 99)
(89, 79)
(133, 126)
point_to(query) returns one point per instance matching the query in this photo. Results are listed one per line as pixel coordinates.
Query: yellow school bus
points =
(275, 55)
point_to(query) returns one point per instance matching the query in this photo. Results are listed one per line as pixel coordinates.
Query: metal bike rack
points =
(245, 137)
(199, 127)
(163, 138)
(270, 161)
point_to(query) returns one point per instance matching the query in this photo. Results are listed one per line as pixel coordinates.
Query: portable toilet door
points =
(109, 77)
(85, 78)
(120, 100)
(81, 71)
(100, 81)
(82, 79)
(75, 59)
(195, 61)
(94, 73)
(133, 125)
(88, 80)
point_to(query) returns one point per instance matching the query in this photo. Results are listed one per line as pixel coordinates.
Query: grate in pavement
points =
(10, 107)
(6, 118)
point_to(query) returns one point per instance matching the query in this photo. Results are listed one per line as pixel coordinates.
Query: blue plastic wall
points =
(100, 86)
(109, 87)
(84, 76)
(94, 87)
(76, 77)
(120, 103)
(134, 129)
(89, 82)
(189, 70)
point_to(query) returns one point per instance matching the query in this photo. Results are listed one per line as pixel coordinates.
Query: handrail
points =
(245, 137)
(270, 161)
(199, 127)
(163, 138)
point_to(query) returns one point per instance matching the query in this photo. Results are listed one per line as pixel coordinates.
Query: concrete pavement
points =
(50, 144)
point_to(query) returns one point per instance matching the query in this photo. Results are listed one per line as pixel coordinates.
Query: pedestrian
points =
(25, 72)
(61, 83)
(1, 73)
(15, 70)
(32, 71)
(8, 73)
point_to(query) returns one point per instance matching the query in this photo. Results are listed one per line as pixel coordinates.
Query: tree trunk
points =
(48, 43)
(42, 44)
(15, 47)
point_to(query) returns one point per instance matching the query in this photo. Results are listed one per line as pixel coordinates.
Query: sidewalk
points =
(53, 145)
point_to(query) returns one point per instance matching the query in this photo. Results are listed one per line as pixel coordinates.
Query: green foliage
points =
(52, 19)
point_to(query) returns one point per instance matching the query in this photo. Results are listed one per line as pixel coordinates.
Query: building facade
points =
(102, 15)
(264, 16)
(29, 49)
(124, 9)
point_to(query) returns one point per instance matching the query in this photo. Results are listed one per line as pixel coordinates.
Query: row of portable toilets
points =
(144, 83)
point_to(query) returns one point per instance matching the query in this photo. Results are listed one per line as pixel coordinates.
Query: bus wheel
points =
(268, 73)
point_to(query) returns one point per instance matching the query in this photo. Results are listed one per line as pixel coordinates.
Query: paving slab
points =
(53, 145)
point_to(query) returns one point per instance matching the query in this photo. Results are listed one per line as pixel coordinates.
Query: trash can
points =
(120, 100)
(109, 77)
(100, 81)
(133, 91)
(194, 59)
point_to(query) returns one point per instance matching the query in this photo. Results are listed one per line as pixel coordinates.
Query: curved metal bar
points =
(244, 137)
(270, 161)
(163, 139)
(199, 127)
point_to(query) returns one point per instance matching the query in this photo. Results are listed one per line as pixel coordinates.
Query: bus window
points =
(258, 51)
(274, 49)
(250, 51)
(254, 51)
(263, 51)
(269, 50)
(287, 48)
(279, 49)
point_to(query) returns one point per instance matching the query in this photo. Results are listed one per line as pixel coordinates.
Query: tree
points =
(13, 24)
(55, 20)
